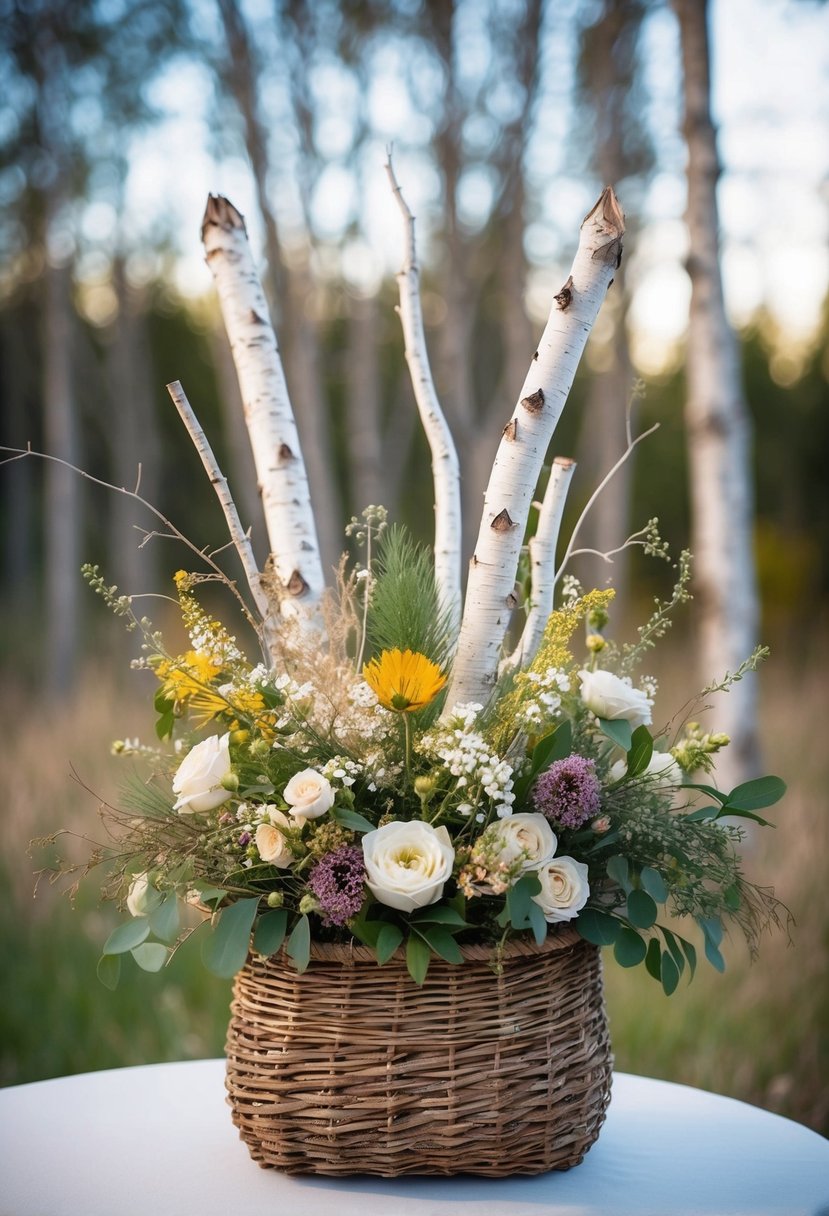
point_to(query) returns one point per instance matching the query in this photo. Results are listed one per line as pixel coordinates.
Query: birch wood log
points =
(280, 469)
(542, 548)
(490, 596)
(719, 429)
(445, 469)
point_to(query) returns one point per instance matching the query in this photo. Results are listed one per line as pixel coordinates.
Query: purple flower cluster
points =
(337, 881)
(568, 792)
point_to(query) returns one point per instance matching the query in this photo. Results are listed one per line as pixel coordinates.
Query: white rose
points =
(564, 889)
(309, 794)
(142, 898)
(611, 698)
(527, 834)
(661, 766)
(270, 841)
(198, 781)
(407, 863)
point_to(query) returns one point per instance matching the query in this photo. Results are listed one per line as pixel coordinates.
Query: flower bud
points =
(595, 642)
(230, 782)
(597, 618)
(309, 903)
(276, 899)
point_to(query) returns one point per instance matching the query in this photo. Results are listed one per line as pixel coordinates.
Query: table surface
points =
(158, 1140)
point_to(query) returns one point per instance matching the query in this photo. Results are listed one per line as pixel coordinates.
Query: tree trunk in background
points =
(133, 437)
(17, 483)
(609, 69)
(62, 510)
(364, 429)
(719, 429)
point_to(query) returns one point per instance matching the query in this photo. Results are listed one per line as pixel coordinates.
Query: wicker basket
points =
(352, 1069)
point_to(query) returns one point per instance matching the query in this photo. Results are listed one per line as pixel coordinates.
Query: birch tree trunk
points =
(490, 596)
(719, 428)
(280, 469)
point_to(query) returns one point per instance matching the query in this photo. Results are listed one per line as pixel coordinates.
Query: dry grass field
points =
(760, 1033)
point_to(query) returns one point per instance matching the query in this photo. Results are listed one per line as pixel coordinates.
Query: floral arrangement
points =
(399, 769)
(336, 798)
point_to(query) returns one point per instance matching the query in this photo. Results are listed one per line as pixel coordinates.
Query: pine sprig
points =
(405, 611)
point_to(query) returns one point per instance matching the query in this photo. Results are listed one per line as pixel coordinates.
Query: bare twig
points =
(239, 538)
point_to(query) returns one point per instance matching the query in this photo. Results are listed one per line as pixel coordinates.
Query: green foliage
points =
(225, 949)
(404, 607)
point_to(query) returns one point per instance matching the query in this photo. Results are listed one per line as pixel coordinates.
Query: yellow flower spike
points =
(404, 680)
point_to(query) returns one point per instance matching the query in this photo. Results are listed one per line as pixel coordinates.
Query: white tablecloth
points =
(158, 1141)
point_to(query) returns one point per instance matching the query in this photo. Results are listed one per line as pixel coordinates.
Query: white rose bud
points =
(564, 889)
(270, 841)
(198, 781)
(527, 834)
(308, 794)
(407, 864)
(662, 768)
(612, 699)
(142, 898)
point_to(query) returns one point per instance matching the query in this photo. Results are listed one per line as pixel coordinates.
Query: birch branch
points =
(280, 469)
(238, 535)
(570, 551)
(542, 548)
(490, 595)
(445, 468)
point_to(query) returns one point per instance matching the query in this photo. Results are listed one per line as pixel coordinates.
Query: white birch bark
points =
(280, 469)
(238, 535)
(542, 548)
(719, 430)
(445, 469)
(490, 596)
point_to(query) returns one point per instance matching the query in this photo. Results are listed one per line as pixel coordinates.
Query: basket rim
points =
(563, 936)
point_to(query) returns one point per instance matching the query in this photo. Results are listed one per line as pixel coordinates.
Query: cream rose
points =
(270, 841)
(564, 889)
(308, 794)
(661, 767)
(198, 781)
(611, 698)
(142, 898)
(407, 864)
(527, 834)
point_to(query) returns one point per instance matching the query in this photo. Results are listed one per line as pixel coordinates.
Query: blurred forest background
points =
(507, 117)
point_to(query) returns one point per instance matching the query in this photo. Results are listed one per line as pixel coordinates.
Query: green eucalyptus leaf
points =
(619, 730)
(654, 884)
(109, 970)
(653, 959)
(352, 819)
(674, 948)
(619, 870)
(598, 927)
(670, 974)
(555, 746)
(754, 795)
(388, 939)
(713, 955)
(440, 940)
(704, 812)
(270, 931)
(150, 956)
(538, 923)
(689, 950)
(439, 914)
(640, 751)
(641, 909)
(630, 948)
(712, 928)
(710, 790)
(165, 920)
(299, 944)
(519, 900)
(418, 956)
(127, 936)
(225, 949)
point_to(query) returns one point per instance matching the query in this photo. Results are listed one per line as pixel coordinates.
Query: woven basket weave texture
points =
(351, 1068)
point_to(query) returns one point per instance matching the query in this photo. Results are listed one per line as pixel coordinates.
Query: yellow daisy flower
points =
(404, 680)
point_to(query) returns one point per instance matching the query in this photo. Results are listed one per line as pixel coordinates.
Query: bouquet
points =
(397, 769)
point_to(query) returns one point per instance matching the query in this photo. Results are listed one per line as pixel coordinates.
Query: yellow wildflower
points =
(404, 680)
